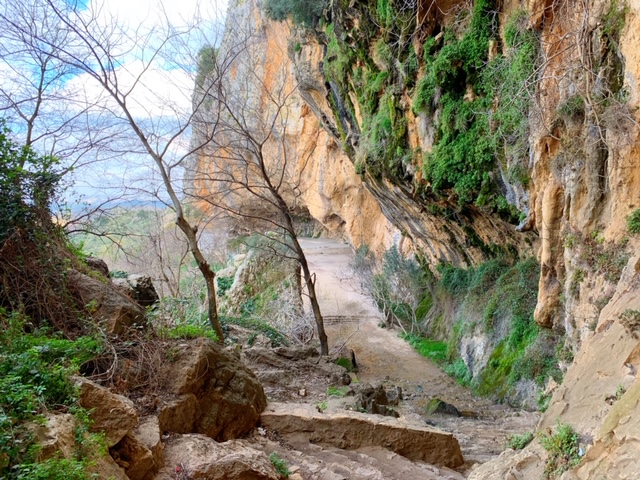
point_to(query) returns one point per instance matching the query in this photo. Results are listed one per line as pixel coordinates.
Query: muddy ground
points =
(384, 358)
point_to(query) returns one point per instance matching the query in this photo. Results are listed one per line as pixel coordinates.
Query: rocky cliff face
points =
(322, 175)
(464, 132)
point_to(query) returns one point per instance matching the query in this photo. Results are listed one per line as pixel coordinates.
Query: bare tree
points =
(252, 168)
(43, 113)
(120, 65)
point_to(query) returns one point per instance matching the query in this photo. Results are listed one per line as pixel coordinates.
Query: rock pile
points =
(376, 399)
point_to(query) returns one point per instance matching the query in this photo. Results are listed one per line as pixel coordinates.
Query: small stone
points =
(302, 392)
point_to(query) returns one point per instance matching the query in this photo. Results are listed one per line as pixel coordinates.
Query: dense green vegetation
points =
(279, 464)
(518, 442)
(44, 338)
(35, 369)
(633, 221)
(206, 64)
(28, 182)
(482, 101)
(396, 284)
(495, 299)
(506, 295)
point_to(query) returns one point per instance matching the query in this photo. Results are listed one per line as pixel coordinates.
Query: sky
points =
(159, 91)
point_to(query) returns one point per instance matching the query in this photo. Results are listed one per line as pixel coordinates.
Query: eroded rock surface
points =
(353, 430)
(513, 465)
(57, 437)
(109, 412)
(285, 371)
(224, 396)
(197, 456)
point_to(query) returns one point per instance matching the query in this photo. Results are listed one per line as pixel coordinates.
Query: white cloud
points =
(159, 95)
(153, 93)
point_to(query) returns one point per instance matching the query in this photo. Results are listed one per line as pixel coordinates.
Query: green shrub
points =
(384, 12)
(337, 61)
(54, 469)
(424, 95)
(279, 464)
(503, 292)
(206, 64)
(518, 442)
(563, 449)
(334, 391)
(383, 52)
(543, 400)
(28, 183)
(630, 320)
(458, 370)
(345, 363)
(633, 221)
(188, 331)
(572, 108)
(259, 326)
(432, 349)
(224, 284)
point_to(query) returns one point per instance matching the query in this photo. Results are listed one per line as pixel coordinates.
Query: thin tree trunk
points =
(311, 290)
(317, 315)
(208, 275)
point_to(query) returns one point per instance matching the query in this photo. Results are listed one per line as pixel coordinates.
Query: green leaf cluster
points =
(279, 464)
(633, 221)
(28, 183)
(503, 291)
(518, 442)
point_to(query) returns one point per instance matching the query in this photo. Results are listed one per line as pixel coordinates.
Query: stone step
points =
(353, 430)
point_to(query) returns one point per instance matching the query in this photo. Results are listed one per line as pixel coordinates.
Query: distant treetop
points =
(301, 12)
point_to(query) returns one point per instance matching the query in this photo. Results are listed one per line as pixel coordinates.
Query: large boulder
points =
(228, 396)
(139, 288)
(178, 415)
(616, 448)
(354, 430)
(198, 456)
(106, 304)
(110, 413)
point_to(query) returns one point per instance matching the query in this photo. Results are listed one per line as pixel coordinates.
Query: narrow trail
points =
(383, 357)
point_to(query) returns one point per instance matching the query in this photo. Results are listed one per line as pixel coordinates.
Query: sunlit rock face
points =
(320, 178)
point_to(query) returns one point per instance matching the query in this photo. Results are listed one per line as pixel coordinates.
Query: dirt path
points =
(385, 358)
